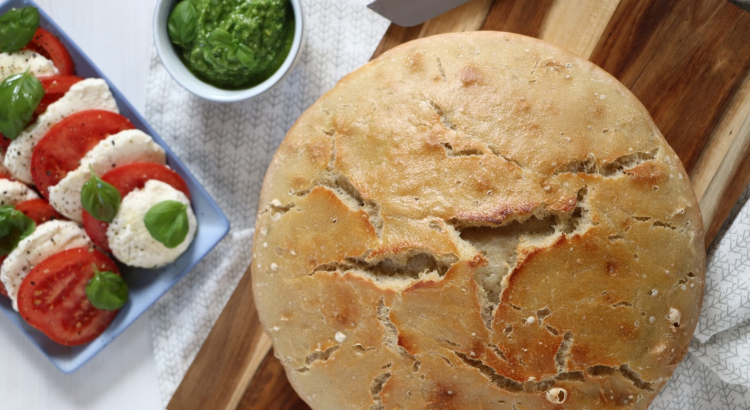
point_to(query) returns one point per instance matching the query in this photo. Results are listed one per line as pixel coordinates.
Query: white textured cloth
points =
(228, 147)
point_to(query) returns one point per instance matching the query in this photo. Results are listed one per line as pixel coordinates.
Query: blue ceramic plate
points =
(146, 285)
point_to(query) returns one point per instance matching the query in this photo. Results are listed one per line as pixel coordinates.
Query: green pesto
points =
(265, 27)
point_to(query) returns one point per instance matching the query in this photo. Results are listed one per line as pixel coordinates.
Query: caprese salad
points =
(78, 183)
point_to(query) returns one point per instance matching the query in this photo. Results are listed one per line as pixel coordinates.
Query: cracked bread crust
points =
(478, 221)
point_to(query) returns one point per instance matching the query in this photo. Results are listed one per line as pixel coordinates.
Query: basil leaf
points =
(183, 23)
(20, 94)
(220, 38)
(100, 199)
(106, 290)
(246, 56)
(14, 226)
(167, 222)
(17, 28)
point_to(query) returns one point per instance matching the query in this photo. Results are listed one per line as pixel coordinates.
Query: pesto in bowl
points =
(232, 44)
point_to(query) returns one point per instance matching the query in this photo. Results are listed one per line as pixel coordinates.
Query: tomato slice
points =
(61, 149)
(39, 210)
(54, 88)
(2, 287)
(133, 176)
(4, 143)
(127, 178)
(97, 231)
(52, 298)
(49, 46)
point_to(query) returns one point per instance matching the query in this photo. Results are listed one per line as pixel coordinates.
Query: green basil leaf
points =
(14, 226)
(106, 290)
(20, 94)
(167, 222)
(220, 38)
(183, 23)
(246, 56)
(17, 28)
(100, 199)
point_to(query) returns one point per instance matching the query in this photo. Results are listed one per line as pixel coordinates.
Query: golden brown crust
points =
(478, 220)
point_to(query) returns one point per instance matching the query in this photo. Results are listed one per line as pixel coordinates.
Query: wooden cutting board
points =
(687, 61)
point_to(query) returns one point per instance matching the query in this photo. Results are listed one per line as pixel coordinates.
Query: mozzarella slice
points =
(47, 239)
(13, 193)
(20, 61)
(89, 94)
(119, 149)
(129, 239)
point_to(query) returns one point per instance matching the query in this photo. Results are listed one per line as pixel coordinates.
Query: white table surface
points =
(116, 34)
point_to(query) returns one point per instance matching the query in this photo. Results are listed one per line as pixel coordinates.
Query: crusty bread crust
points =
(478, 221)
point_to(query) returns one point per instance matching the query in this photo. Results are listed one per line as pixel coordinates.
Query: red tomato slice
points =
(54, 88)
(39, 210)
(61, 149)
(51, 48)
(133, 176)
(4, 143)
(2, 287)
(52, 298)
(126, 179)
(97, 231)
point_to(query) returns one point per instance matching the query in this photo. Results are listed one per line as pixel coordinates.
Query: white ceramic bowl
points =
(190, 82)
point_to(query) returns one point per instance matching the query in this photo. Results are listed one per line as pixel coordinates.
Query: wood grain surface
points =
(229, 358)
(522, 17)
(271, 390)
(687, 61)
(577, 25)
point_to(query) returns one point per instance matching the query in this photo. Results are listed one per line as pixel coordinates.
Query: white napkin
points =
(228, 148)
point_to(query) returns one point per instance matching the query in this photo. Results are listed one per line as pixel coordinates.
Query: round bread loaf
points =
(478, 221)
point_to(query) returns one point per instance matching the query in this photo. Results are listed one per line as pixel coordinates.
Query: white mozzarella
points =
(128, 237)
(20, 61)
(119, 149)
(13, 193)
(89, 94)
(47, 239)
